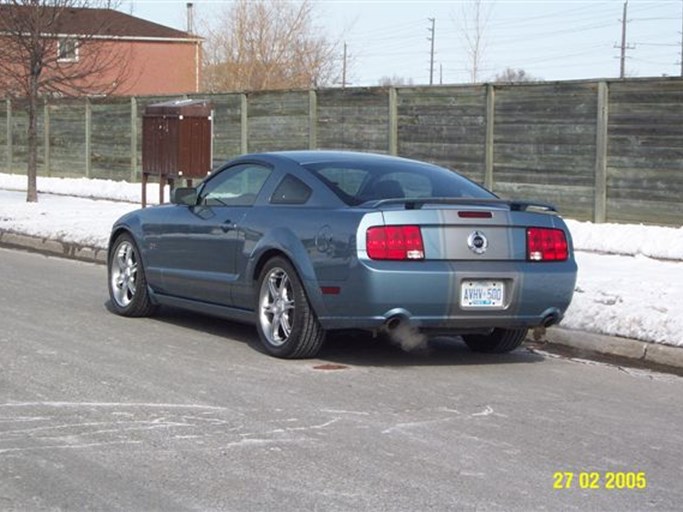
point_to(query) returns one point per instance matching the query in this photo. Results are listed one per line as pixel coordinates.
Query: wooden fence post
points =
(133, 139)
(9, 135)
(46, 136)
(88, 129)
(312, 119)
(244, 126)
(488, 145)
(600, 198)
(393, 121)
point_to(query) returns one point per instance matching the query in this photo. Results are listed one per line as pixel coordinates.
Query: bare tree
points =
(41, 55)
(511, 75)
(267, 45)
(472, 21)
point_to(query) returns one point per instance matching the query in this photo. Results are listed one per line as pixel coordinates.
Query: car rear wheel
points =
(286, 324)
(127, 281)
(498, 342)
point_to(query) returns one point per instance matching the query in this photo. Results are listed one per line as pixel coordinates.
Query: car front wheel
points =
(127, 281)
(286, 324)
(498, 342)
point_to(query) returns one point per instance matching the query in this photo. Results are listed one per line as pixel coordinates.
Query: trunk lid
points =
(463, 230)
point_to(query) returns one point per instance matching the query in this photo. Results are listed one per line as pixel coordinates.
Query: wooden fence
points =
(599, 150)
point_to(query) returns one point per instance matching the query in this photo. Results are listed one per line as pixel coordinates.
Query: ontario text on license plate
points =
(482, 294)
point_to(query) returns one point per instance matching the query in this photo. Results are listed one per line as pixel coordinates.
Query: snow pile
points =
(633, 297)
(654, 241)
(84, 187)
(625, 294)
(83, 222)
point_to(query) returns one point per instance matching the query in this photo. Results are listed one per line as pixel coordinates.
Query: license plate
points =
(482, 294)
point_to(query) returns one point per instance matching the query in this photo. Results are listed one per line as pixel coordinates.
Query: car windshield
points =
(357, 183)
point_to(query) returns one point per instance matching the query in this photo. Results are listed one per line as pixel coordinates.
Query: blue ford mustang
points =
(304, 242)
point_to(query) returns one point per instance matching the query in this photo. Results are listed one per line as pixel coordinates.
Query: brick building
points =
(158, 60)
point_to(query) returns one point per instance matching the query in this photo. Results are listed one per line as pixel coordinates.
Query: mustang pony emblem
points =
(477, 242)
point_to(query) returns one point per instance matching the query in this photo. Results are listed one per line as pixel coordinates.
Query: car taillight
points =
(545, 244)
(394, 243)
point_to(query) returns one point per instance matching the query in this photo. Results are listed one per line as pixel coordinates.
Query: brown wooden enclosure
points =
(176, 139)
(176, 142)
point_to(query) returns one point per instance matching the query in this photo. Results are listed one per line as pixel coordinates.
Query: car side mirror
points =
(184, 196)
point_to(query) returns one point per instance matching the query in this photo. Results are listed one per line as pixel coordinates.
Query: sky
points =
(630, 279)
(549, 40)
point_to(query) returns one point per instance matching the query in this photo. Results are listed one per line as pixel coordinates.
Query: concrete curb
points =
(640, 351)
(54, 247)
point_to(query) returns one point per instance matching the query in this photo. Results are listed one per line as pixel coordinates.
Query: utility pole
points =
(344, 68)
(431, 52)
(622, 67)
(681, 37)
(624, 46)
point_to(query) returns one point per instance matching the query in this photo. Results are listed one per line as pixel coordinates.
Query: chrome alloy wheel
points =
(276, 307)
(124, 271)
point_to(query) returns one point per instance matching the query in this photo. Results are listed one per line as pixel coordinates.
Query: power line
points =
(652, 6)
(512, 35)
(651, 19)
(650, 61)
(391, 54)
(393, 29)
(397, 35)
(399, 43)
(657, 44)
(591, 14)
(530, 37)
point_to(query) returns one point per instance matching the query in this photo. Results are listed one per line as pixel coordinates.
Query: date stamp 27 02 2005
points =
(610, 480)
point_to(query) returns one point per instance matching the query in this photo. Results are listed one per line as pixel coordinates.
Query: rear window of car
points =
(357, 183)
(348, 180)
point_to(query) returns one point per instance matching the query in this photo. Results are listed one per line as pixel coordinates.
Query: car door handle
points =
(227, 226)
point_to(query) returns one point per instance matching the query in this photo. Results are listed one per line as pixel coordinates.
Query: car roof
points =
(306, 157)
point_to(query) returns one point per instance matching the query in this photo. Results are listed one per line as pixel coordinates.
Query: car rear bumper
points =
(427, 295)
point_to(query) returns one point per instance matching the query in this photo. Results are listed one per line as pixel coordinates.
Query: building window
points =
(67, 49)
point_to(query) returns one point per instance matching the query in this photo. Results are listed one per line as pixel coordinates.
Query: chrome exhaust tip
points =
(393, 323)
(551, 319)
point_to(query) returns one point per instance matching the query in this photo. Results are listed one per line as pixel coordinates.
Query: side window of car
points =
(236, 186)
(291, 190)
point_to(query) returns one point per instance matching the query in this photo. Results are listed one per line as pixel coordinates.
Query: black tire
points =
(285, 321)
(126, 279)
(498, 342)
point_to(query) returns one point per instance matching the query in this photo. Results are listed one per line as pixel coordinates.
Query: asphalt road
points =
(183, 412)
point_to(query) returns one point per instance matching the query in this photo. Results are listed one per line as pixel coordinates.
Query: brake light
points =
(475, 214)
(545, 244)
(394, 243)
